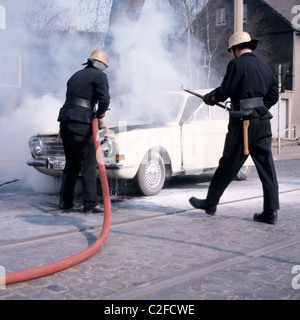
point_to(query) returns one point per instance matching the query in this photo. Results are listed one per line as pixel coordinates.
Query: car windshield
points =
(156, 108)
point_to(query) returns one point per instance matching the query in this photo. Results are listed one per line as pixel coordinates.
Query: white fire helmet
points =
(99, 55)
(242, 37)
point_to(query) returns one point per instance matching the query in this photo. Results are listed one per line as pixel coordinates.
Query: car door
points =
(215, 129)
(203, 136)
(192, 135)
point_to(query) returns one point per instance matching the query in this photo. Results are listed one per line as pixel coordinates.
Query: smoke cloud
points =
(35, 115)
(141, 63)
(145, 63)
(43, 61)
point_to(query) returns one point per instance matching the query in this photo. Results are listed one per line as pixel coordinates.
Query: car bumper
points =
(37, 163)
(60, 164)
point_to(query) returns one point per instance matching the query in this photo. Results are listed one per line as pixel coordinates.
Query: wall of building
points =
(295, 116)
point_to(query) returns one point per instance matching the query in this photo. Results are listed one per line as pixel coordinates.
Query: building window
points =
(10, 71)
(245, 18)
(2, 17)
(221, 17)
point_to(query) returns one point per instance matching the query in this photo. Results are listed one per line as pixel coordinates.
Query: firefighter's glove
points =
(209, 98)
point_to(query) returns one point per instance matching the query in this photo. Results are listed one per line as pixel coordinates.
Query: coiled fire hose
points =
(66, 263)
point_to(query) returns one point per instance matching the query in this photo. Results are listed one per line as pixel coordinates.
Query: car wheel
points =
(151, 175)
(243, 173)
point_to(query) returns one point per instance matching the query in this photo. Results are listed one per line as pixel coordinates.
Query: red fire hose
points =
(54, 267)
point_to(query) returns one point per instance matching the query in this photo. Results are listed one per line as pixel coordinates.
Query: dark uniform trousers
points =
(260, 139)
(80, 157)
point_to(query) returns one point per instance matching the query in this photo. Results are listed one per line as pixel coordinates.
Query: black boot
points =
(201, 204)
(65, 206)
(97, 209)
(269, 217)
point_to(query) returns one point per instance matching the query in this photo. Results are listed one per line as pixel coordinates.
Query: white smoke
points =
(144, 62)
(47, 60)
(35, 115)
(144, 65)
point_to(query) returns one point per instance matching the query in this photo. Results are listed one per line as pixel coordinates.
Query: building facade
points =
(275, 24)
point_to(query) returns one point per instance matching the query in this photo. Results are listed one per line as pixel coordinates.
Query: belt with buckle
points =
(251, 103)
(79, 102)
(245, 106)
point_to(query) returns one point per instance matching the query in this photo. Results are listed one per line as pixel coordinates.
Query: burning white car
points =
(172, 133)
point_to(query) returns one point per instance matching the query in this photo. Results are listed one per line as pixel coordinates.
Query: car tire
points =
(151, 175)
(243, 173)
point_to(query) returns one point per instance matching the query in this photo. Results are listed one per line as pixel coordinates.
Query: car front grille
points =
(51, 147)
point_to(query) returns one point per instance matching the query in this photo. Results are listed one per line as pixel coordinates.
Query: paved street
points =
(159, 248)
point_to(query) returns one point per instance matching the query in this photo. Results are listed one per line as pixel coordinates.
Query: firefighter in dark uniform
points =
(253, 90)
(85, 89)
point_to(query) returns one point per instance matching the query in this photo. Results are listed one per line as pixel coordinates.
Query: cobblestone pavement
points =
(159, 248)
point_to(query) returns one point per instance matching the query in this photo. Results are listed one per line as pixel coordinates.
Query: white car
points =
(169, 134)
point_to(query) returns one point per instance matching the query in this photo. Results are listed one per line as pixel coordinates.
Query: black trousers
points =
(80, 157)
(260, 139)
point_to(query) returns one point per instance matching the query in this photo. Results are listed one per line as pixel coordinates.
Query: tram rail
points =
(88, 229)
(190, 273)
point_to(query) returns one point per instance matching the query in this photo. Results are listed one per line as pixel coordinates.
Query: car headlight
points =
(108, 147)
(36, 146)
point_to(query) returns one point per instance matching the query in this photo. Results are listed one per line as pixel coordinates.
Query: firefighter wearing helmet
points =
(253, 90)
(87, 96)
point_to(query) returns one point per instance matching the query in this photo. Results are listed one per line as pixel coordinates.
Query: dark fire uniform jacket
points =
(248, 77)
(90, 84)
